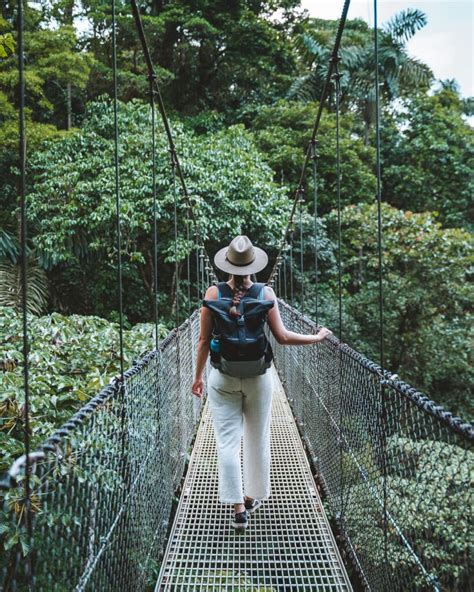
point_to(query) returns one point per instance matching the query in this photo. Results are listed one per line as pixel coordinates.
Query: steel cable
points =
(380, 274)
(324, 94)
(117, 185)
(155, 209)
(314, 158)
(24, 288)
(178, 171)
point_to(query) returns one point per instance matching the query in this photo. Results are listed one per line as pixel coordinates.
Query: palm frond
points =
(314, 48)
(9, 247)
(405, 24)
(11, 289)
(307, 88)
(413, 72)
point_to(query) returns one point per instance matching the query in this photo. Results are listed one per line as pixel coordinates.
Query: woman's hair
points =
(239, 292)
(239, 279)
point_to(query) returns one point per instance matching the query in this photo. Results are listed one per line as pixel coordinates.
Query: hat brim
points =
(259, 263)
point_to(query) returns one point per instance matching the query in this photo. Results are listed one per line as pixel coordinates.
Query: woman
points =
(240, 404)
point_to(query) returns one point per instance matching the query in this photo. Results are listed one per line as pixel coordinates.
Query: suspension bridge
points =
(364, 467)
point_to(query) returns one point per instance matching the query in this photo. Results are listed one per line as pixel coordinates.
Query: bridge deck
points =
(288, 545)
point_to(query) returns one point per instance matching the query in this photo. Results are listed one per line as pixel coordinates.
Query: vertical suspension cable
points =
(188, 262)
(24, 286)
(292, 292)
(203, 281)
(380, 274)
(301, 202)
(117, 185)
(314, 158)
(151, 79)
(175, 215)
(337, 78)
(198, 279)
(121, 391)
(280, 282)
(177, 169)
(324, 94)
(285, 273)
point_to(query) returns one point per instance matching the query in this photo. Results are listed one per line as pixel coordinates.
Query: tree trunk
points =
(68, 13)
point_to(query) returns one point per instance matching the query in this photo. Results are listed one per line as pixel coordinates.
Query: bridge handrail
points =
(390, 379)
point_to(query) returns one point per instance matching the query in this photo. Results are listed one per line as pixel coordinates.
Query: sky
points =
(445, 43)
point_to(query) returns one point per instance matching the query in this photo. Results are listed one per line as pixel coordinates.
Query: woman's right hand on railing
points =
(322, 334)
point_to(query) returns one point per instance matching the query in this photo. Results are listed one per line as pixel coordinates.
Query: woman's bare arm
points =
(205, 334)
(281, 333)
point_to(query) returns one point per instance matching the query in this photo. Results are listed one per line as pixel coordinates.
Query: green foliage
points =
(217, 64)
(282, 132)
(428, 500)
(71, 359)
(7, 42)
(428, 165)
(72, 206)
(426, 298)
(207, 55)
(53, 64)
(400, 75)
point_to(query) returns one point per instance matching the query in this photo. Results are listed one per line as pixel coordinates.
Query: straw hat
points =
(241, 257)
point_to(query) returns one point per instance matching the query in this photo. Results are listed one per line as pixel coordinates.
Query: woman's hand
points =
(198, 387)
(322, 334)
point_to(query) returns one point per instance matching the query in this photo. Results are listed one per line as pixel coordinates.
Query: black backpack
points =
(239, 346)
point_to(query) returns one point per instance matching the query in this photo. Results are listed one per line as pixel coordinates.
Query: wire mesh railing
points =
(102, 486)
(419, 457)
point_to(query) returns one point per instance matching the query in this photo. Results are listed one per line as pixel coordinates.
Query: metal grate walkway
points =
(288, 545)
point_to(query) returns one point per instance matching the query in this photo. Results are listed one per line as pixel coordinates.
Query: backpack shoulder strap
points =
(223, 290)
(256, 291)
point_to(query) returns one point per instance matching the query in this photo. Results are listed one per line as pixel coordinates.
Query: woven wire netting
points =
(103, 484)
(397, 484)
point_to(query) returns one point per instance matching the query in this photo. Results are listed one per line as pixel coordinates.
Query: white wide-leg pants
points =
(241, 407)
